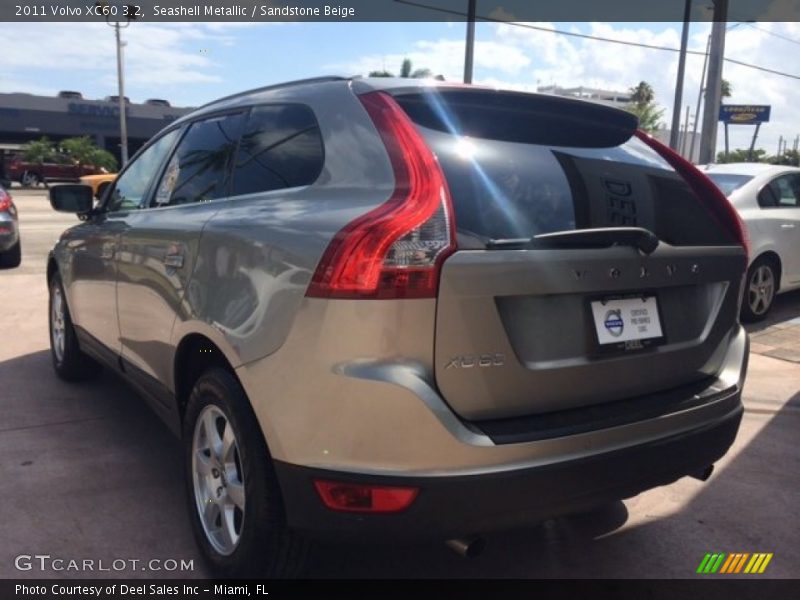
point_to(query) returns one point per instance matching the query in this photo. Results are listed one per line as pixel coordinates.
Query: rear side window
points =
(519, 165)
(785, 191)
(728, 182)
(281, 148)
(199, 170)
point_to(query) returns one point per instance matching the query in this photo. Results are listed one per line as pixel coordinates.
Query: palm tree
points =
(407, 71)
(642, 93)
(727, 89)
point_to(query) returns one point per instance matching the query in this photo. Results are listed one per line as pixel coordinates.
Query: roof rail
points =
(277, 86)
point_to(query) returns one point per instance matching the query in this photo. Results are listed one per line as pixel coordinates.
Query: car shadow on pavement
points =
(96, 474)
(785, 308)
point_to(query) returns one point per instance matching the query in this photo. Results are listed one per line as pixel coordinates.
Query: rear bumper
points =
(9, 232)
(451, 506)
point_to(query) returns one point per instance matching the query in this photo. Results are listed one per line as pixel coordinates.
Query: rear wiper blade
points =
(638, 237)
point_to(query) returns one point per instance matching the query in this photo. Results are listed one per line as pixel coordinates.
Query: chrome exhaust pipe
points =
(703, 474)
(468, 547)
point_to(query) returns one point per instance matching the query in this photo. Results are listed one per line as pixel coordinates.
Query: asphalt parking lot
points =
(89, 472)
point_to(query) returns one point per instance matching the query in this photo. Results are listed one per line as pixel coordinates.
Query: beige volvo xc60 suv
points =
(381, 309)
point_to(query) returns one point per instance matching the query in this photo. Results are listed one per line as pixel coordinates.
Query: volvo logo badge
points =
(614, 323)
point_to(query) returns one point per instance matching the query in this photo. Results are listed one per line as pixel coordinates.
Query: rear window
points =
(728, 182)
(519, 165)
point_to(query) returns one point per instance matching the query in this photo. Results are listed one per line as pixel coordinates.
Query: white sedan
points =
(768, 200)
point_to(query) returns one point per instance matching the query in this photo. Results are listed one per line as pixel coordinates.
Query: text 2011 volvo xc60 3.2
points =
(383, 309)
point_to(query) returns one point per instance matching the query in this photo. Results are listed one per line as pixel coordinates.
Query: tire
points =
(69, 362)
(760, 288)
(255, 542)
(30, 179)
(12, 257)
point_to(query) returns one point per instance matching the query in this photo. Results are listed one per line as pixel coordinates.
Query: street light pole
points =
(708, 140)
(123, 122)
(470, 46)
(676, 105)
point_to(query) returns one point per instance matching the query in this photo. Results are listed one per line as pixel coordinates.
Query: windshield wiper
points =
(601, 237)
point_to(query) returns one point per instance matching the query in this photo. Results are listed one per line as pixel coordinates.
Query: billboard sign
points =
(744, 114)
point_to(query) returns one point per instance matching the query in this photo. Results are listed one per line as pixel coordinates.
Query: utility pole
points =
(123, 122)
(676, 105)
(708, 141)
(470, 48)
(685, 133)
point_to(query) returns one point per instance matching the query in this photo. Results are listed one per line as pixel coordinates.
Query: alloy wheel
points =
(761, 290)
(218, 479)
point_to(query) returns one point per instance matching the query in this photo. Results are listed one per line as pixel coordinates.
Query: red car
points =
(32, 174)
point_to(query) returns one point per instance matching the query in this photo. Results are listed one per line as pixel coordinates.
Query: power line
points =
(599, 38)
(772, 33)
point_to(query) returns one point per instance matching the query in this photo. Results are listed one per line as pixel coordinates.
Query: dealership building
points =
(26, 117)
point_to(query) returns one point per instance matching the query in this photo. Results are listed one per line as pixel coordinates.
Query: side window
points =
(786, 190)
(766, 199)
(199, 170)
(281, 147)
(130, 187)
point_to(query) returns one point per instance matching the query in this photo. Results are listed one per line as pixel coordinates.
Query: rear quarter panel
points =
(257, 254)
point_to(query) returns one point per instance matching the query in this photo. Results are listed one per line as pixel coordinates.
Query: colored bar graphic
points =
(722, 563)
(703, 563)
(741, 562)
(728, 563)
(765, 563)
(718, 562)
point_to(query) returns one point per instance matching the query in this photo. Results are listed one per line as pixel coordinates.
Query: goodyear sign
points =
(744, 114)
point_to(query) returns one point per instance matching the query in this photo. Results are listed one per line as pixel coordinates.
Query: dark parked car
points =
(10, 246)
(381, 309)
(31, 174)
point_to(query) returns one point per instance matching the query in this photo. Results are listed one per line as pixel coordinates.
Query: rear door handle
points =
(107, 251)
(787, 225)
(174, 260)
(174, 256)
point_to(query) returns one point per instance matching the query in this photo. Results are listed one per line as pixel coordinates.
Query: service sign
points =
(744, 114)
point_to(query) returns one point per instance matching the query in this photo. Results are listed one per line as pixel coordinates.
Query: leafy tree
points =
(649, 115)
(382, 73)
(83, 151)
(39, 151)
(790, 158)
(405, 68)
(643, 105)
(727, 89)
(742, 155)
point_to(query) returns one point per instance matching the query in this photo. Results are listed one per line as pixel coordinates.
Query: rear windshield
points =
(519, 165)
(728, 182)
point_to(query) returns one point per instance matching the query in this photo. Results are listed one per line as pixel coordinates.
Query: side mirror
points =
(72, 198)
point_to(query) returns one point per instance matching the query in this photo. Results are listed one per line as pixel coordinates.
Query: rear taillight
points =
(5, 200)
(396, 249)
(363, 498)
(706, 191)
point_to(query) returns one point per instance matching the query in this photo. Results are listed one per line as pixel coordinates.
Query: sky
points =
(193, 63)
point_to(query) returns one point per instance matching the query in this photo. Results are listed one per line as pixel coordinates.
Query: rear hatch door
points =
(533, 323)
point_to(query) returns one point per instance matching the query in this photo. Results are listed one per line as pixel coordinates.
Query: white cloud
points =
(445, 57)
(516, 56)
(159, 57)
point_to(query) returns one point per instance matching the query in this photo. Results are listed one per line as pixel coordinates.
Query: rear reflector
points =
(706, 191)
(396, 249)
(353, 497)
